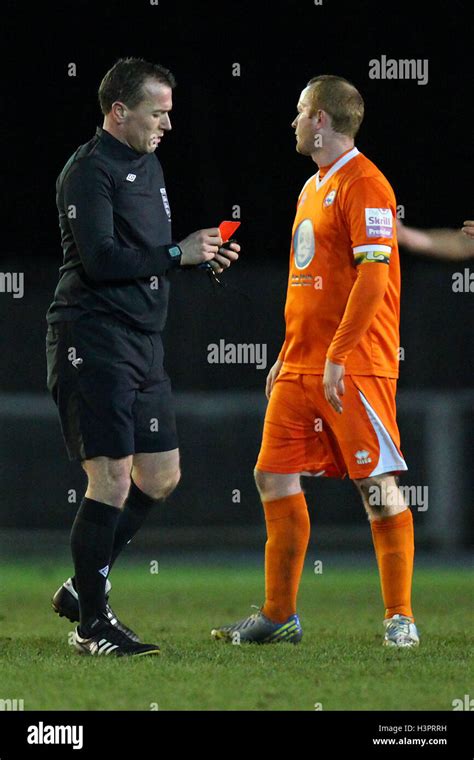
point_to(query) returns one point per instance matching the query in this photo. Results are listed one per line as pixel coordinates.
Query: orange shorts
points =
(303, 433)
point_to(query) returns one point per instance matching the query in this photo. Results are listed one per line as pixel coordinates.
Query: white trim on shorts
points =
(390, 459)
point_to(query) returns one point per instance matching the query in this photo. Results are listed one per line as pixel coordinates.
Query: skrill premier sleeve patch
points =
(378, 222)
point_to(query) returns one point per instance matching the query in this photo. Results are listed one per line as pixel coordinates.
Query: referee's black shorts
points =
(111, 389)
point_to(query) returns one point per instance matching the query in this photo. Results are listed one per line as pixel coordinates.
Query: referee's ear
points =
(119, 112)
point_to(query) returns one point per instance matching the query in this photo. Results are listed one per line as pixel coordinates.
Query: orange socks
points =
(394, 547)
(288, 530)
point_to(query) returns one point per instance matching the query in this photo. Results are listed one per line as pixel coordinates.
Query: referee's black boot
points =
(103, 638)
(66, 603)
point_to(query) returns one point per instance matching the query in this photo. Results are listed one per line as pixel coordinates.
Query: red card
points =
(227, 229)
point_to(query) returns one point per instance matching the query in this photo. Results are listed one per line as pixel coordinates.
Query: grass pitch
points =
(340, 664)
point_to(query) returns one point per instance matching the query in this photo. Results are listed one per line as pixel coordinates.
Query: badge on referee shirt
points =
(166, 204)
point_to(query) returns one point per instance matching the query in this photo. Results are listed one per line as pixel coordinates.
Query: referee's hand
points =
(200, 247)
(225, 257)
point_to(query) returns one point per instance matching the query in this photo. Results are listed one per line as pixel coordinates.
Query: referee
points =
(103, 343)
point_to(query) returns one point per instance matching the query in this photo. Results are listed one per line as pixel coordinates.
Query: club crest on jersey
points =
(329, 199)
(378, 222)
(303, 244)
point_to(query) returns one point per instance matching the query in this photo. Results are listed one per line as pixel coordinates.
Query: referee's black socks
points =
(98, 535)
(92, 541)
(136, 508)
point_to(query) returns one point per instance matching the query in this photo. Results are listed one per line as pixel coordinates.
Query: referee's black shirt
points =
(115, 223)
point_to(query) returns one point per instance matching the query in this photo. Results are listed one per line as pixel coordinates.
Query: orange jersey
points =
(345, 220)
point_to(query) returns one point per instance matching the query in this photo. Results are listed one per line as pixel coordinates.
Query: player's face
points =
(146, 124)
(304, 125)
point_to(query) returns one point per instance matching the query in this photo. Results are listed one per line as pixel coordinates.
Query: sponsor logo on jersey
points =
(306, 281)
(303, 244)
(362, 457)
(104, 571)
(131, 177)
(166, 204)
(329, 199)
(379, 222)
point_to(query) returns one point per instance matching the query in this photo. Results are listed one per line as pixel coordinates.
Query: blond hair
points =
(340, 99)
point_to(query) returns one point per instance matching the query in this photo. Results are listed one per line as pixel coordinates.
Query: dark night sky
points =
(232, 142)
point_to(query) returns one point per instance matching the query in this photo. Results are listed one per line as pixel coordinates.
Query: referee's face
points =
(145, 125)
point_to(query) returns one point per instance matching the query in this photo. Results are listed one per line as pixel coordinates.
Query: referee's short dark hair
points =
(125, 80)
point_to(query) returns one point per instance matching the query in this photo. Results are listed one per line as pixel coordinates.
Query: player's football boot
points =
(400, 631)
(103, 638)
(66, 603)
(259, 629)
